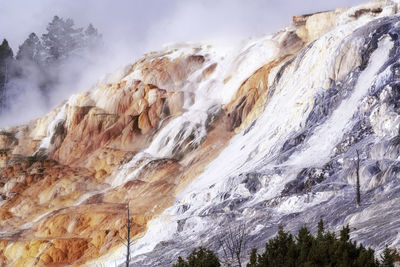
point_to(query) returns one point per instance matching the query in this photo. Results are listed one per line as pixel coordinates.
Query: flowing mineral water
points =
(328, 135)
(258, 145)
(209, 95)
(256, 150)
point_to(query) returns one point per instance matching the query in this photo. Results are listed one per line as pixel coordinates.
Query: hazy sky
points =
(133, 27)
(139, 26)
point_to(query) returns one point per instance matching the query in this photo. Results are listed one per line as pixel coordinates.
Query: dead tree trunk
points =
(358, 195)
(128, 238)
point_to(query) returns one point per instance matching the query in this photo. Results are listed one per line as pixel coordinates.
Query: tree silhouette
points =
(126, 240)
(201, 257)
(6, 66)
(358, 195)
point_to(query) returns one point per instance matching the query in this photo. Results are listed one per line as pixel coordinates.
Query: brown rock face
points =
(250, 98)
(58, 208)
(175, 103)
(163, 74)
(65, 178)
(247, 96)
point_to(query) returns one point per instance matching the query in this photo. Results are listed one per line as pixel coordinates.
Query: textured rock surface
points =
(57, 207)
(198, 137)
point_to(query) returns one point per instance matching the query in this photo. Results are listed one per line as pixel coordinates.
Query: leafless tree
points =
(358, 196)
(127, 239)
(233, 244)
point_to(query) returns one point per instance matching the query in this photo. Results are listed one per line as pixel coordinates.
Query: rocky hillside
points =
(199, 137)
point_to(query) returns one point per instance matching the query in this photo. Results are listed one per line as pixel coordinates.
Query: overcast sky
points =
(133, 27)
(140, 26)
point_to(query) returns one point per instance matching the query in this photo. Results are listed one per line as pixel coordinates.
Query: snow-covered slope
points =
(200, 137)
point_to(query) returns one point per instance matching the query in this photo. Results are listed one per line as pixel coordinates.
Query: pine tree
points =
(5, 50)
(201, 257)
(62, 39)
(345, 233)
(366, 258)
(306, 250)
(6, 59)
(280, 251)
(31, 64)
(304, 244)
(31, 50)
(43, 63)
(321, 229)
(253, 258)
(387, 258)
(92, 38)
(6, 69)
(181, 263)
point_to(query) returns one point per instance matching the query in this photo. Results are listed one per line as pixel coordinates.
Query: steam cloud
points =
(131, 28)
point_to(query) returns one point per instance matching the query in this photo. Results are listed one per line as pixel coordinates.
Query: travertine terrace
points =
(198, 136)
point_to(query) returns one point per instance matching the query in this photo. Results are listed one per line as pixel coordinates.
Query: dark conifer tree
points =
(31, 50)
(323, 250)
(6, 70)
(200, 257)
(253, 258)
(387, 258)
(321, 229)
(6, 60)
(304, 243)
(279, 251)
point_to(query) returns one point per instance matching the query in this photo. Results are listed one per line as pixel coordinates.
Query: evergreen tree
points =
(321, 229)
(6, 59)
(365, 258)
(306, 250)
(345, 233)
(31, 50)
(279, 251)
(200, 257)
(31, 64)
(387, 258)
(304, 243)
(62, 39)
(43, 63)
(253, 258)
(6, 69)
(5, 51)
(92, 38)
(181, 263)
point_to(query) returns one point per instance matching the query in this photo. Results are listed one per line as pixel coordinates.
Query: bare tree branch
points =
(126, 241)
(233, 245)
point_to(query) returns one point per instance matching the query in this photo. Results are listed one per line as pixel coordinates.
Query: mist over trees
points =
(44, 63)
(6, 63)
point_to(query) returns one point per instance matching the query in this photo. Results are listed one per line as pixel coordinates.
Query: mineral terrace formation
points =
(198, 137)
